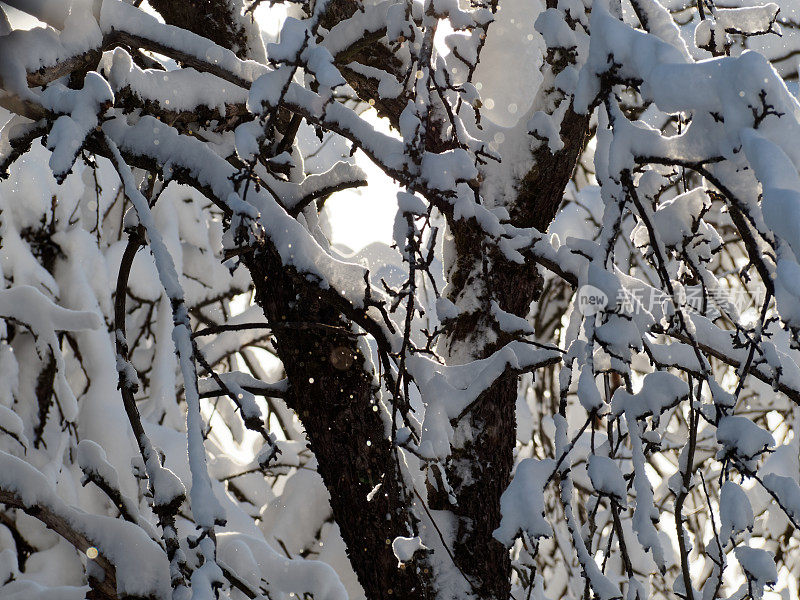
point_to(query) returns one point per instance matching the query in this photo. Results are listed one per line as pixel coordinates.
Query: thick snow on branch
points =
(206, 508)
(523, 502)
(140, 568)
(116, 15)
(448, 391)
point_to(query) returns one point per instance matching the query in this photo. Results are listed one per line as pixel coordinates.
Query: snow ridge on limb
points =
(206, 508)
(124, 551)
(31, 309)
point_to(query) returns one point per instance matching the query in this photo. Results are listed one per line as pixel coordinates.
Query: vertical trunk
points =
(333, 394)
(478, 473)
(479, 469)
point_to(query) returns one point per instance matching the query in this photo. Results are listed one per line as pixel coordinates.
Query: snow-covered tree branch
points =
(574, 371)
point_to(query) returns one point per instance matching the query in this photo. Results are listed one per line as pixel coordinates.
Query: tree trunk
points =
(333, 394)
(479, 470)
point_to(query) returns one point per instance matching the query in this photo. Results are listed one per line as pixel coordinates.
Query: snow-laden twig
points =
(206, 508)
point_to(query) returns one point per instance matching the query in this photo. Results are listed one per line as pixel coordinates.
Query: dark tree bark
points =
(332, 391)
(488, 457)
